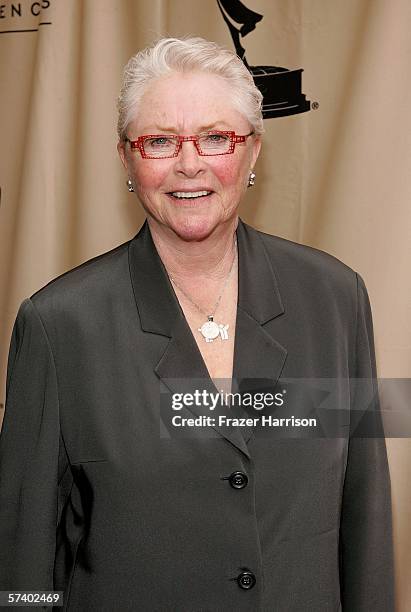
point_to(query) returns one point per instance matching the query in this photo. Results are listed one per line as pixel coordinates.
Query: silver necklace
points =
(210, 330)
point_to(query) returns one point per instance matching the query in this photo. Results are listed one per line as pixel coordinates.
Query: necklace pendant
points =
(210, 330)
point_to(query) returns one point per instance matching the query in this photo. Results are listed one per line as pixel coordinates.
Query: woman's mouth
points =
(189, 195)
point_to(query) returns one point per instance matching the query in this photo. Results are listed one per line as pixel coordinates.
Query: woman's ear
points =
(121, 148)
(256, 149)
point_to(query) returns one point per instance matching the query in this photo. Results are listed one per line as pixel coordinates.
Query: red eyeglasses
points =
(157, 146)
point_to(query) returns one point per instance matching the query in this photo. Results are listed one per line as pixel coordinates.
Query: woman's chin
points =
(191, 228)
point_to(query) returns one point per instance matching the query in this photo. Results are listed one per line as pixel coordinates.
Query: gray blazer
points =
(100, 498)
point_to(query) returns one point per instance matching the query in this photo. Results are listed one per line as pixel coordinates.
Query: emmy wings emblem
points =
(281, 88)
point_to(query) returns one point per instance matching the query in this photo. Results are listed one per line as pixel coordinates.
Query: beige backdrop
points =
(338, 178)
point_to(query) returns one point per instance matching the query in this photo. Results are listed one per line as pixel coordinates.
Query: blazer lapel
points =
(181, 367)
(256, 354)
(258, 358)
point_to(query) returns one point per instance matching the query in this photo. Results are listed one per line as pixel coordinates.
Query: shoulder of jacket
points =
(84, 283)
(304, 261)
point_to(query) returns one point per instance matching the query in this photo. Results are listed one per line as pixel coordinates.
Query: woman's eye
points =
(158, 142)
(217, 137)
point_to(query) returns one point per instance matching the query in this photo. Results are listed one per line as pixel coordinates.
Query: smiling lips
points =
(189, 194)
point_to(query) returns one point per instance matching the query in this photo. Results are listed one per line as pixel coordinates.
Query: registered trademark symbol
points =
(315, 105)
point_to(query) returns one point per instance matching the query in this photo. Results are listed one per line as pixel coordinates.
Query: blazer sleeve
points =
(367, 581)
(29, 459)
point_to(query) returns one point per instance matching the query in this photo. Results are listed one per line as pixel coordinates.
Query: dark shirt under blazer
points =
(95, 502)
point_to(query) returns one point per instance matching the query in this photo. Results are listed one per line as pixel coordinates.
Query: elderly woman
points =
(106, 494)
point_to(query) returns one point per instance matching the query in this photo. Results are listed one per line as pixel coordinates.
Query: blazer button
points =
(238, 480)
(246, 580)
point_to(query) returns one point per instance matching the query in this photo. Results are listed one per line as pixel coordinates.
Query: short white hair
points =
(182, 55)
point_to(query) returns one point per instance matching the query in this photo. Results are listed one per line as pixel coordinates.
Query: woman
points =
(111, 490)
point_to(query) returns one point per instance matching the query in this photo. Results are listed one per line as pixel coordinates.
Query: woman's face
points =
(188, 104)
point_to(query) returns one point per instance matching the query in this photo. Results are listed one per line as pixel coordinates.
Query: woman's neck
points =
(208, 259)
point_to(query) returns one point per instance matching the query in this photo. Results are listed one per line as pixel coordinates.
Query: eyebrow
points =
(203, 128)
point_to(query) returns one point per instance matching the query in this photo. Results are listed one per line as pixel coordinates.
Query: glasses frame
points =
(234, 139)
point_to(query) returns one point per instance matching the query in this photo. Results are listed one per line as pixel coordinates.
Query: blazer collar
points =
(257, 355)
(258, 292)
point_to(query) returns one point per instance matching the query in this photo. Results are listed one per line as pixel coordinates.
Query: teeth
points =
(189, 194)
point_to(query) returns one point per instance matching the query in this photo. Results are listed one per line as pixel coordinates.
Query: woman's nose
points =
(189, 161)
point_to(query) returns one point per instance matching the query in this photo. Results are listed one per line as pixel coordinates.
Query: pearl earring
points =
(251, 179)
(130, 186)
